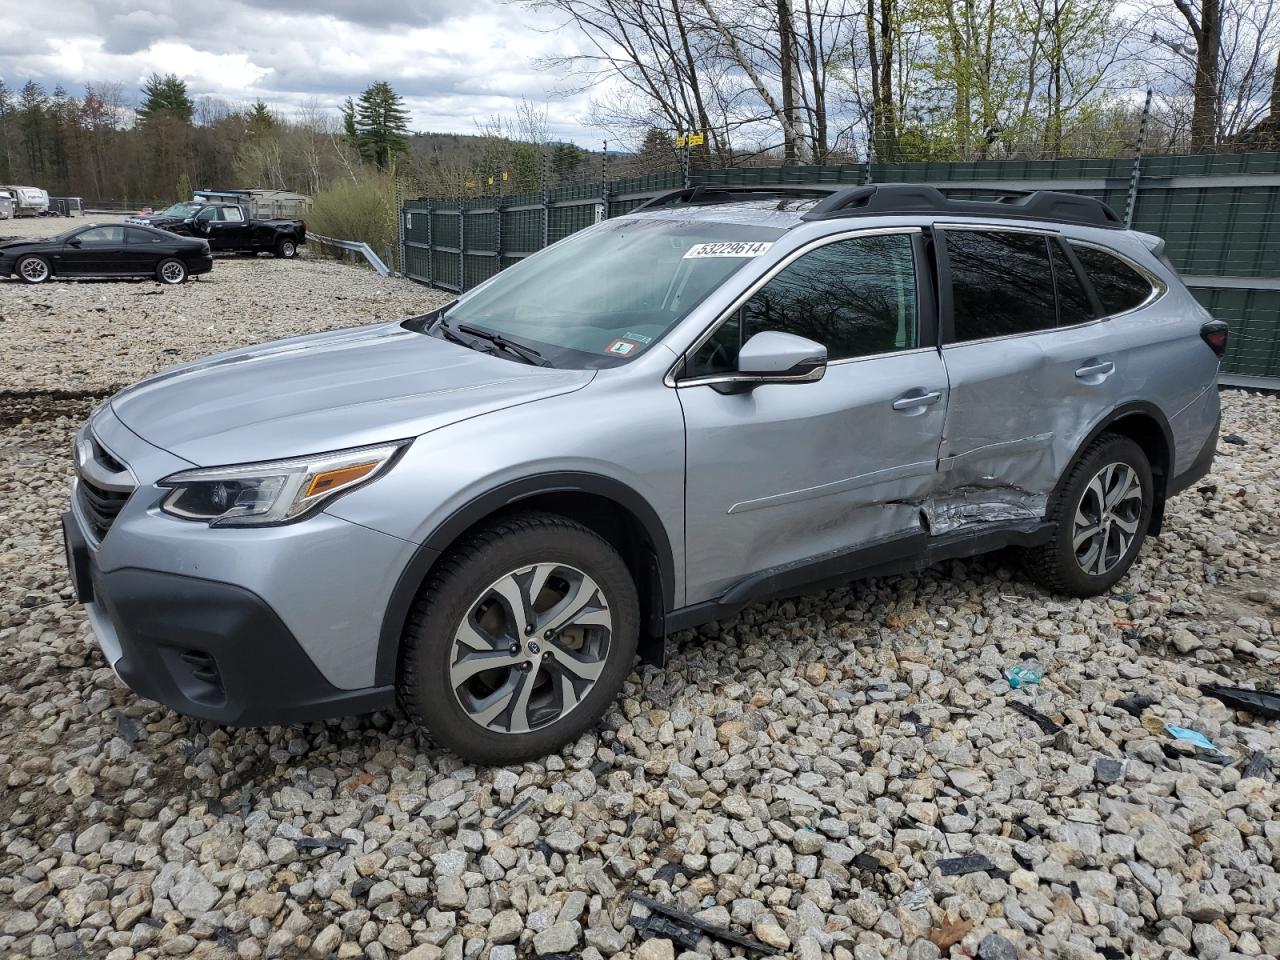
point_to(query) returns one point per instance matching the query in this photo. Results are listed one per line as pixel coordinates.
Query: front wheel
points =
(1101, 514)
(286, 249)
(33, 269)
(520, 639)
(171, 271)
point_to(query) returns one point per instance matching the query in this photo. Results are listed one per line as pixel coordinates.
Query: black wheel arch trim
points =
(509, 495)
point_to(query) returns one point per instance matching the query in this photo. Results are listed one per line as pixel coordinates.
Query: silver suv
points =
(487, 512)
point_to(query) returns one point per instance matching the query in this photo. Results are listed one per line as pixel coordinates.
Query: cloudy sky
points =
(453, 62)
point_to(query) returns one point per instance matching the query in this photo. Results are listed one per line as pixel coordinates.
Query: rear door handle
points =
(1095, 369)
(909, 401)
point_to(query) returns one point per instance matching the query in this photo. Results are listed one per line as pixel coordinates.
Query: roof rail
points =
(891, 198)
(701, 195)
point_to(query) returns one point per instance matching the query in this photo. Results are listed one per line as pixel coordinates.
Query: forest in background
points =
(762, 81)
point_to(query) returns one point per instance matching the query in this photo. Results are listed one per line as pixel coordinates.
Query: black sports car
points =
(107, 250)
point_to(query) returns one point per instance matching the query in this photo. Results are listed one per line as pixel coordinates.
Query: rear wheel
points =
(171, 271)
(520, 640)
(286, 249)
(33, 269)
(1101, 514)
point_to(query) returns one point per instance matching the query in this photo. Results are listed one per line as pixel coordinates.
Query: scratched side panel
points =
(1020, 411)
(786, 472)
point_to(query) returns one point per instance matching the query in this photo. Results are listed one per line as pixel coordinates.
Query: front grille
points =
(101, 507)
(104, 456)
(104, 483)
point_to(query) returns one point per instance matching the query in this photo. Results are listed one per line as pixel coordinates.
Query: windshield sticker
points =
(738, 248)
(621, 348)
(637, 337)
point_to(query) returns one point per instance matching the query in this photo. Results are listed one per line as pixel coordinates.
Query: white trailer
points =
(28, 201)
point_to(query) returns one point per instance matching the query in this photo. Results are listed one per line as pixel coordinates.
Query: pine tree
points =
(657, 152)
(165, 97)
(6, 109)
(565, 160)
(349, 132)
(260, 117)
(33, 116)
(382, 124)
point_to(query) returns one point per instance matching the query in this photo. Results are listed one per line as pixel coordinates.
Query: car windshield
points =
(604, 295)
(183, 209)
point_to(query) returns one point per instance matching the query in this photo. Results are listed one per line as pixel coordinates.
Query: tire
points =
(476, 712)
(286, 249)
(33, 269)
(171, 271)
(1097, 495)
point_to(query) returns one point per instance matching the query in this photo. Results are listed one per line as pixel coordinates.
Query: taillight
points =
(1214, 333)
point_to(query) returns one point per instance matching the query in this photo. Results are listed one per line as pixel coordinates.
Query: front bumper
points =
(207, 649)
(289, 619)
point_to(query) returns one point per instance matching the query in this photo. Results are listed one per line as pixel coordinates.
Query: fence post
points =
(604, 184)
(399, 262)
(546, 196)
(871, 152)
(497, 229)
(431, 250)
(462, 246)
(1137, 164)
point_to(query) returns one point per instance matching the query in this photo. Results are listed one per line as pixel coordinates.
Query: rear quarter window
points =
(1119, 287)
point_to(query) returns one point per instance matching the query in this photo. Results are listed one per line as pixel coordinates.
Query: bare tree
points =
(1204, 20)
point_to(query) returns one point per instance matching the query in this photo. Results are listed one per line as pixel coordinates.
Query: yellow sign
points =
(505, 178)
(697, 139)
(491, 180)
(471, 184)
(680, 140)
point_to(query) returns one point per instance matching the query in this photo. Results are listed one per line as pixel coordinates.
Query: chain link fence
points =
(1219, 215)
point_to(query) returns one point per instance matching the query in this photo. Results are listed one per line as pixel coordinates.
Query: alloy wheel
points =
(530, 648)
(35, 270)
(172, 272)
(288, 249)
(1107, 517)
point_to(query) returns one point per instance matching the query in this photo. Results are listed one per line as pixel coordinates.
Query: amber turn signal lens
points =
(331, 479)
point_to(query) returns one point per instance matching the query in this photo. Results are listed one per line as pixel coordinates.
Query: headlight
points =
(260, 494)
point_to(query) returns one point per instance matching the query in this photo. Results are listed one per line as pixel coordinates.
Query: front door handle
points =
(1095, 368)
(910, 401)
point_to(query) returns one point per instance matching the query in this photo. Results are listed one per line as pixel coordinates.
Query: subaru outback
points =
(727, 395)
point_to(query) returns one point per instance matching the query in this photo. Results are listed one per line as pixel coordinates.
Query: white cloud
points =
(453, 66)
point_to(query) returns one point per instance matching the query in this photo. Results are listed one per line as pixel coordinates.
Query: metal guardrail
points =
(353, 246)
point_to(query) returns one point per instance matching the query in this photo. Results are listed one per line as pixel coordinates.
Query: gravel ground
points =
(845, 775)
(92, 336)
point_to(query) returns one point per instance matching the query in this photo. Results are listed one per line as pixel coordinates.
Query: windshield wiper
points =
(450, 334)
(527, 354)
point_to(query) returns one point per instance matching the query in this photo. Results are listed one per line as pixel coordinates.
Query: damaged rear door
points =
(1030, 369)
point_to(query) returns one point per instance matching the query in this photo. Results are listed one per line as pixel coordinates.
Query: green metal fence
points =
(1219, 216)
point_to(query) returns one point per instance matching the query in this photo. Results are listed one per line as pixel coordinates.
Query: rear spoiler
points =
(1151, 242)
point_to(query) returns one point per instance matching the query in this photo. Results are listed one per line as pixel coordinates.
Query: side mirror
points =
(74, 242)
(776, 357)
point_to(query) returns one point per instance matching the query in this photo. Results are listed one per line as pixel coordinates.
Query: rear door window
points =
(1001, 284)
(1118, 285)
(233, 215)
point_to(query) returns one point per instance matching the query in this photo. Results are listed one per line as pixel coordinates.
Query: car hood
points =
(326, 392)
(17, 246)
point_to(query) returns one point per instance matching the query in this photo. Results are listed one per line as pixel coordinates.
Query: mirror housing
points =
(74, 242)
(776, 357)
